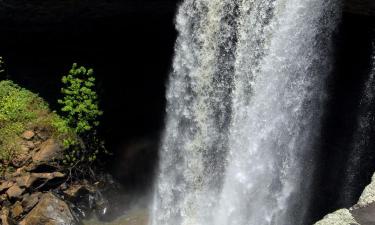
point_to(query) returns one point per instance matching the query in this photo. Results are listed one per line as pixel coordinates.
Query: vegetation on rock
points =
(43, 152)
(22, 110)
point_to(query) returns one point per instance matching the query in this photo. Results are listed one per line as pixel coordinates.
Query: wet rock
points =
(76, 190)
(14, 192)
(49, 151)
(50, 210)
(28, 135)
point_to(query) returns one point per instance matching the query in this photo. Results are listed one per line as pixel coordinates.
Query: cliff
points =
(363, 213)
(363, 7)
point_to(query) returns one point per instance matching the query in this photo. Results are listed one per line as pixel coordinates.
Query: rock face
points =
(363, 213)
(368, 195)
(50, 211)
(49, 150)
(364, 7)
(340, 217)
(55, 11)
(26, 194)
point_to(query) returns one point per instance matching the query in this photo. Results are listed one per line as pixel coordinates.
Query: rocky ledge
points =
(363, 213)
(38, 192)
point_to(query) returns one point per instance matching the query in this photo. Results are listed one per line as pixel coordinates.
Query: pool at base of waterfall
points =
(133, 217)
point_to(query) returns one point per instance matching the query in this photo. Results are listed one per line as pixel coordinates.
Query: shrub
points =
(80, 107)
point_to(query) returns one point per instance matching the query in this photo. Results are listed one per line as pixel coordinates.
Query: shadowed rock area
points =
(364, 7)
(363, 213)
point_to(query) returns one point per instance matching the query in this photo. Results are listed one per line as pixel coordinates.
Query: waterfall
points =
(361, 144)
(244, 104)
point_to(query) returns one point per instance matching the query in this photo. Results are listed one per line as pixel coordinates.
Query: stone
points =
(49, 211)
(368, 195)
(15, 191)
(28, 135)
(49, 150)
(340, 217)
(3, 198)
(44, 135)
(26, 180)
(48, 176)
(364, 215)
(4, 216)
(16, 210)
(76, 190)
(5, 185)
(30, 201)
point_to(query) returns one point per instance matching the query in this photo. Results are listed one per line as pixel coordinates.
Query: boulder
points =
(368, 195)
(15, 192)
(364, 215)
(5, 185)
(43, 134)
(28, 135)
(26, 180)
(49, 211)
(17, 210)
(4, 216)
(340, 217)
(49, 151)
(29, 201)
(29, 144)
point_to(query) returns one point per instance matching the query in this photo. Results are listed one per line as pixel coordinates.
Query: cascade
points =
(245, 99)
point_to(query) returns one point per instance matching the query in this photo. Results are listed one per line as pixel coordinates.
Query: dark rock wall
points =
(128, 43)
(352, 65)
(362, 7)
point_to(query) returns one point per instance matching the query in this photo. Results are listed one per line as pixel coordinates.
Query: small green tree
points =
(80, 107)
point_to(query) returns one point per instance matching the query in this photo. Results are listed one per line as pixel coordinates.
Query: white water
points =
(244, 103)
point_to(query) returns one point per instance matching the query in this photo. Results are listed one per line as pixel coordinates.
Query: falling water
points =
(244, 103)
(362, 139)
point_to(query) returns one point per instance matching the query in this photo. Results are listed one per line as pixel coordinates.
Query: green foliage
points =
(21, 109)
(80, 107)
(80, 101)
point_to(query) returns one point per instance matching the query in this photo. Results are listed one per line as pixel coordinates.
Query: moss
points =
(20, 110)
